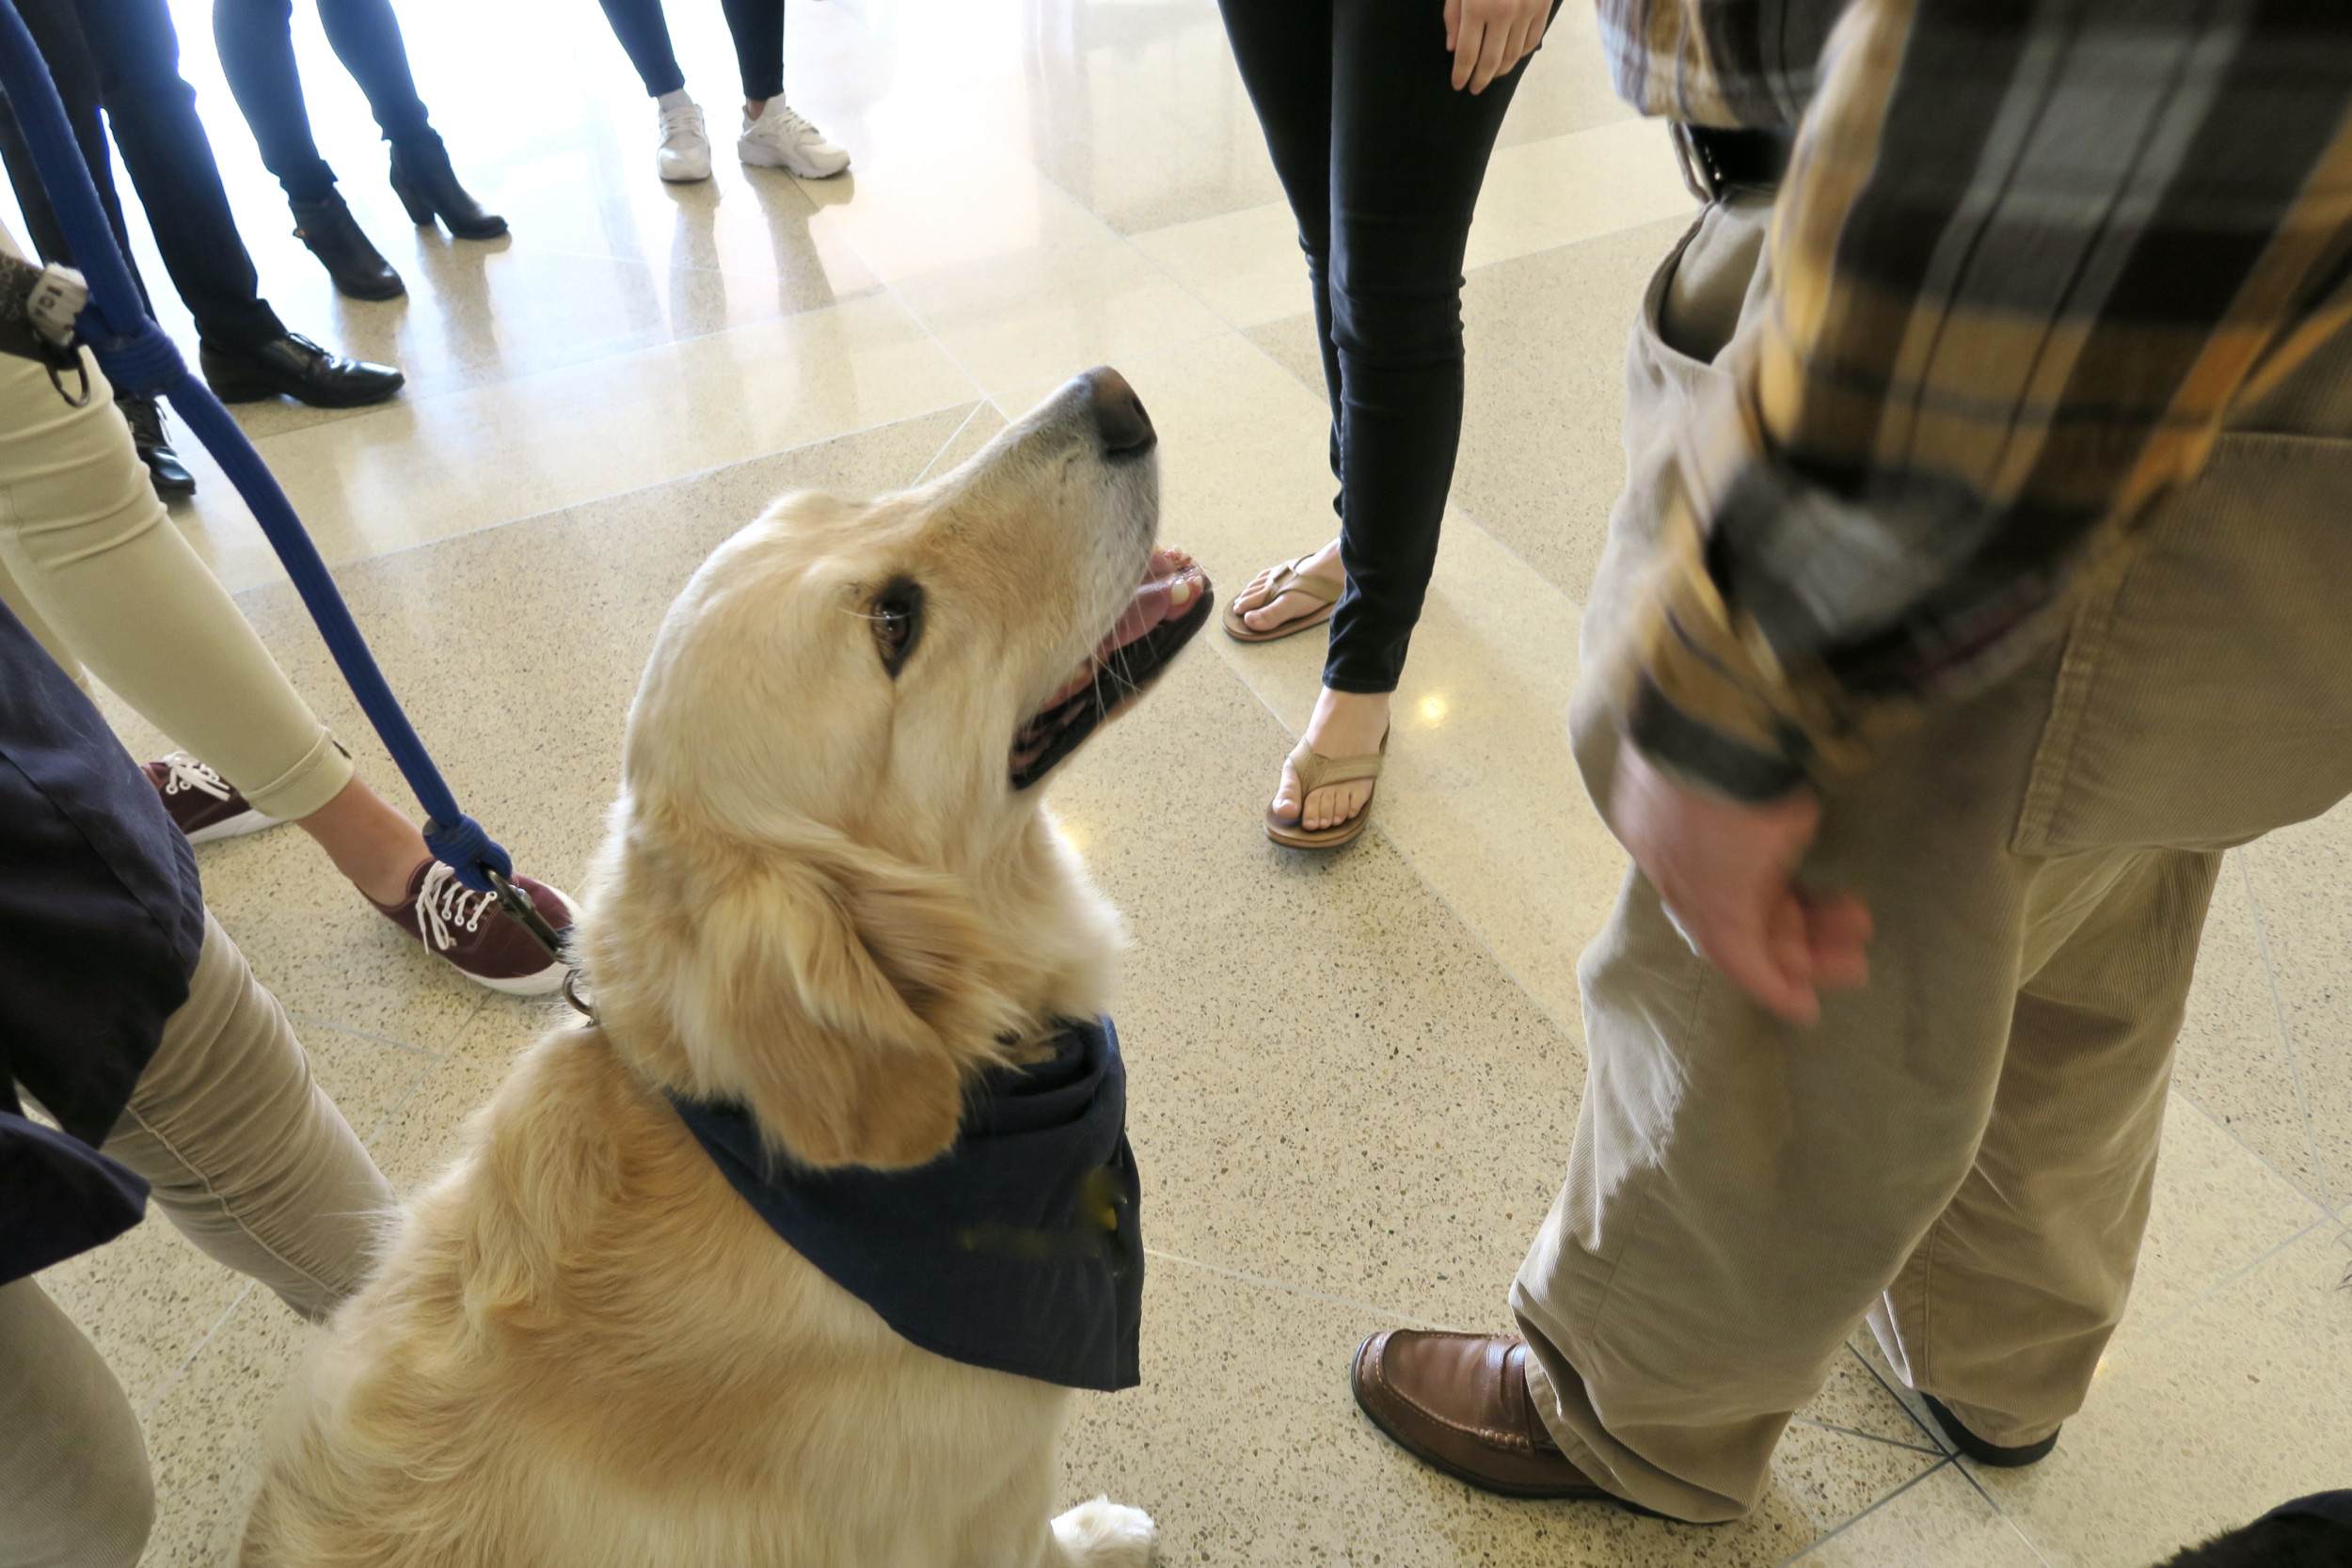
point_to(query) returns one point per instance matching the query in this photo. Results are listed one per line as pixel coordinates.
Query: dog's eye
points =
(897, 618)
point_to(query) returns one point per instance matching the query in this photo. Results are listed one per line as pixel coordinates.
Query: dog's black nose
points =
(1119, 413)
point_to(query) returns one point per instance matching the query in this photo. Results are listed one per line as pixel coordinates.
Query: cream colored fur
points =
(819, 896)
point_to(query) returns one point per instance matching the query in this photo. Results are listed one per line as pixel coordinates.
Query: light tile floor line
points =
(405, 548)
(1888, 1500)
(426, 1051)
(2286, 1034)
(2327, 1221)
(949, 445)
(1406, 1317)
(1950, 1454)
(1977, 1485)
(1845, 1525)
(189, 1360)
(2318, 1202)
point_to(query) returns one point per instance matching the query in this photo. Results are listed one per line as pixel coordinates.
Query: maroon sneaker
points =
(471, 931)
(203, 804)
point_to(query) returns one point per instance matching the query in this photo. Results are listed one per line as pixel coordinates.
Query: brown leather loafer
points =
(1459, 1401)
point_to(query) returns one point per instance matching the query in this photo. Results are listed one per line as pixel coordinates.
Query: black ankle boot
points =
(170, 476)
(428, 187)
(334, 237)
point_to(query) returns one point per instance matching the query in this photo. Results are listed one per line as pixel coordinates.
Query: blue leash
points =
(138, 357)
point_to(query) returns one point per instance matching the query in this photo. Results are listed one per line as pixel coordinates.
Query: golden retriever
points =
(831, 895)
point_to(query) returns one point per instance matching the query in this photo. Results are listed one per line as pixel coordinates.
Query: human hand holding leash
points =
(1723, 869)
(1488, 37)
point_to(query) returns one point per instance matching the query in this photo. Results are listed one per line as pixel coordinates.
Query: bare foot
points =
(1346, 724)
(1258, 614)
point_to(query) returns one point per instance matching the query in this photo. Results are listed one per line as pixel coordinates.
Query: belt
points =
(1716, 161)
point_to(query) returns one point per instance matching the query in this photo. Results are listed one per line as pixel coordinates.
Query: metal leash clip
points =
(518, 907)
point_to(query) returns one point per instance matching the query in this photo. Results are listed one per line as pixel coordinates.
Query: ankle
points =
(375, 846)
(754, 107)
(1356, 719)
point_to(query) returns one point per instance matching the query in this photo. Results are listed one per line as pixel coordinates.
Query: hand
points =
(1723, 869)
(1486, 38)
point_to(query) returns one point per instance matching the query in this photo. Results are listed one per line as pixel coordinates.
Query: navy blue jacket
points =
(101, 921)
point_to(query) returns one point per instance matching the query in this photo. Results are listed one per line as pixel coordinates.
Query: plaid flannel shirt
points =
(2027, 255)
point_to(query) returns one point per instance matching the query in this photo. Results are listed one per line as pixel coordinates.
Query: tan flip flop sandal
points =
(1286, 581)
(1316, 772)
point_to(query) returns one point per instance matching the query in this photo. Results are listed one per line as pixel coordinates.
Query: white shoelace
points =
(445, 902)
(188, 774)
(685, 119)
(797, 131)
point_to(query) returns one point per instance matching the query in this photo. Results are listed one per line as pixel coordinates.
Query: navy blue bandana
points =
(1018, 1250)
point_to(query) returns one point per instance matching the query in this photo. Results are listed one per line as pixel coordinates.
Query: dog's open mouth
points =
(1169, 606)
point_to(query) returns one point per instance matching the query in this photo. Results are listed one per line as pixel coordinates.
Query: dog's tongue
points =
(1172, 580)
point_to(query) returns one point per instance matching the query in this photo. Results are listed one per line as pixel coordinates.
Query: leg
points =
(2003, 1310)
(645, 37)
(248, 1156)
(1401, 209)
(1739, 1190)
(1284, 51)
(256, 42)
(1740, 1194)
(1745, 1189)
(758, 28)
(59, 34)
(90, 560)
(93, 553)
(74, 1491)
(1101, 1534)
(152, 111)
(366, 37)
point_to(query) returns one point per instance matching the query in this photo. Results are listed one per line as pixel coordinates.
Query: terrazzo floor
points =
(1354, 1078)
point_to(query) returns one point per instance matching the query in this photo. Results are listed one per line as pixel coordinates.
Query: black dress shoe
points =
(333, 235)
(295, 367)
(428, 187)
(163, 468)
(1996, 1454)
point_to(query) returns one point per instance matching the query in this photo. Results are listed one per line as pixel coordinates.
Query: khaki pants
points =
(92, 565)
(253, 1163)
(1961, 1153)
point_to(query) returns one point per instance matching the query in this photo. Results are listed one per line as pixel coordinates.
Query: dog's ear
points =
(845, 997)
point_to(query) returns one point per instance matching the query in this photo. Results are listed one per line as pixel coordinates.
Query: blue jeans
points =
(124, 56)
(256, 42)
(757, 27)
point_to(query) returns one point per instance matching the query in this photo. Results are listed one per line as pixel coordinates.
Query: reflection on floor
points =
(1354, 1079)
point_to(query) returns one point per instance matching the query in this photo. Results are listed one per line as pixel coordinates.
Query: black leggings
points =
(1382, 159)
(757, 26)
(256, 42)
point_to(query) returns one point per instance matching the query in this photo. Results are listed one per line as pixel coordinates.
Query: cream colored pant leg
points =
(245, 1153)
(1961, 1151)
(252, 1162)
(92, 564)
(75, 1490)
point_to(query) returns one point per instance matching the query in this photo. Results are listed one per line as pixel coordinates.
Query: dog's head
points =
(831, 891)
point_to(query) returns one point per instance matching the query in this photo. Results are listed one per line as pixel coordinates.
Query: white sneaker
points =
(684, 155)
(780, 138)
